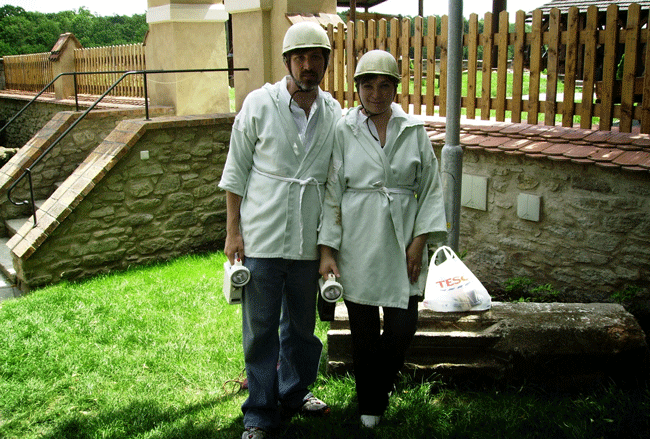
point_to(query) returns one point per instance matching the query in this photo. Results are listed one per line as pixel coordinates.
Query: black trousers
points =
(378, 355)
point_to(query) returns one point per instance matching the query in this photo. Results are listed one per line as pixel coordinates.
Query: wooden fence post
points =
(62, 57)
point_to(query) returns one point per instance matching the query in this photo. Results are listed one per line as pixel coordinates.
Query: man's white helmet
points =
(305, 35)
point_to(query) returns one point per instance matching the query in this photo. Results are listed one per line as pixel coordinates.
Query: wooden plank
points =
(417, 66)
(502, 66)
(609, 68)
(382, 34)
(486, 70)
(429, 100)
(590, 38)
(371, 40)
(406, 72)
(645, 103)
(351, 63)
(570, 67)
(340, 64)
(552, 66)
(629, 66)
(444, 36)
(535, 67)
(393, 42)
(518, 67)
(472, 65)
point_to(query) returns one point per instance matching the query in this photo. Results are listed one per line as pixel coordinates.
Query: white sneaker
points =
(370, 421)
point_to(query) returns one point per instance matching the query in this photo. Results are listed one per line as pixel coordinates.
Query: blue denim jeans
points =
(281, 352)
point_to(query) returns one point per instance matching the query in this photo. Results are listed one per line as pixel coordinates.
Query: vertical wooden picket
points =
(486, 77)
(518, 67)
(632, 31)
(502, 66)
(591, 45)
(609, 68)
(552, 67)
(429, 100)
(472, 65)
(444, 37)
(535, 67)
(417, 66)
(570, 66)
(406, 61)
(351, 63)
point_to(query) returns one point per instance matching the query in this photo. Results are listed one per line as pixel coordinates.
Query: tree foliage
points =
(23, 32)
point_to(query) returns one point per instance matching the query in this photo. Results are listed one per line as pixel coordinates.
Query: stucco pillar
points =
(258, 28)
(62, 57)
(188, 34)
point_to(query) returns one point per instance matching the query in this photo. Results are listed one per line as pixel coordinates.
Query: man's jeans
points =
(280, 365)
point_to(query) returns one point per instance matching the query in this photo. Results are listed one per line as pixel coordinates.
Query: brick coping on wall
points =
(92, 170)
(608, 149)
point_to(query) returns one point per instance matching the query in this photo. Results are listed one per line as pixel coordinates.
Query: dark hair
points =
(371, 76)
(287, 56)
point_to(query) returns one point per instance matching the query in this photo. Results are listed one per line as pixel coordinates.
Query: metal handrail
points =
(28, 170)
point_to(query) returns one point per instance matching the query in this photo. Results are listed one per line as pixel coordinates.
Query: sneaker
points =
(370, 421)
(254, 433)
(313, 406)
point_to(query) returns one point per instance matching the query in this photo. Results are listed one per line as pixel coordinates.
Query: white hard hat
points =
(305, 35)
(377, 62)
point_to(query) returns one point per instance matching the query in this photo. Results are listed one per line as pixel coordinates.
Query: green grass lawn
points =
(146, 353)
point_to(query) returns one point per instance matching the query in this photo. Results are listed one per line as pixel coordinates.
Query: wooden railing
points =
(561, 69)
(28, 72)
(111, 58)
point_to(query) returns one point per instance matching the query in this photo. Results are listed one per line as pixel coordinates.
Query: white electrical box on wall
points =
(474, 192)
(529, 206)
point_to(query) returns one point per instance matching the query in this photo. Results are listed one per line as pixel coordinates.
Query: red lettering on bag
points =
(451, 281)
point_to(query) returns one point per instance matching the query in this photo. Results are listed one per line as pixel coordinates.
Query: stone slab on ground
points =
(545, 342)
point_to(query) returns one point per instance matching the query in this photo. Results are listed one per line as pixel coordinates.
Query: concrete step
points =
(13, 225)
(8, 289)
(540, 342)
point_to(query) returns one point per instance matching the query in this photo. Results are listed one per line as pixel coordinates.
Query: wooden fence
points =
(33, 72)
(112, 58)
(28, 72)
(562, 68)
(574, 69)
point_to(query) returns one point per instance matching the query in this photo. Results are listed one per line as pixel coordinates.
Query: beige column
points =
(62, 57)
(258, 28)
(188, 34)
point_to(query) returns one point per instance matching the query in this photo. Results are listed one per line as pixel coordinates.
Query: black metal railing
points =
(28, 171)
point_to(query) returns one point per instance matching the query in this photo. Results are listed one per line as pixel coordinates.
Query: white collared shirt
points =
(306, 125)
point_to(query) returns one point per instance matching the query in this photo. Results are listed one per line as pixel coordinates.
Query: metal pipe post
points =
(452, 153)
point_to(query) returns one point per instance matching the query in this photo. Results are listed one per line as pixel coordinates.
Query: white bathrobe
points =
(378, 199)
(281, 183)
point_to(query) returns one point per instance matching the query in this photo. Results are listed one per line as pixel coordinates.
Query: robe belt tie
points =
(395, 208)
(311, 181)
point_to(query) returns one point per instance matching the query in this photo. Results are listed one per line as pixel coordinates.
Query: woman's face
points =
(377, 93)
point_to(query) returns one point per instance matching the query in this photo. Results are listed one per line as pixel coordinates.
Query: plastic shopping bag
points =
(452, 287)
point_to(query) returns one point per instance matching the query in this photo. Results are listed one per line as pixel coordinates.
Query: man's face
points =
(307, 67)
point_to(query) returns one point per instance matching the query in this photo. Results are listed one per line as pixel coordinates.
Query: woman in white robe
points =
(383, 204)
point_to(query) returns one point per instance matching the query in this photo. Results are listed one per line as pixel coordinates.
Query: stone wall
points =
(27, 124)
(593, 235)
(159, 201)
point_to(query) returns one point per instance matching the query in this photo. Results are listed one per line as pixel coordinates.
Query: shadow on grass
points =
(147, 417)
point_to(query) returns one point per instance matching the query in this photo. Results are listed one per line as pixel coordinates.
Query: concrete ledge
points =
(546, 342)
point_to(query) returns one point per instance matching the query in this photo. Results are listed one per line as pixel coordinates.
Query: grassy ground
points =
(147, 354)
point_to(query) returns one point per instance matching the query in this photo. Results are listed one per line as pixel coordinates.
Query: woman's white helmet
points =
(305, 35)
(377, 62)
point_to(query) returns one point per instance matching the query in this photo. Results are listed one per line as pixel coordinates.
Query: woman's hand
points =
(414, 257)
(328, 262)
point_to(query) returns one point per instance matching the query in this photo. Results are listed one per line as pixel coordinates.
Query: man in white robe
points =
(274, 178)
